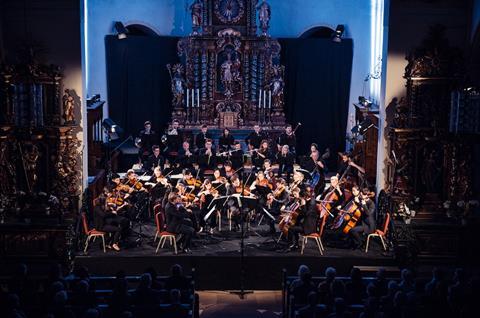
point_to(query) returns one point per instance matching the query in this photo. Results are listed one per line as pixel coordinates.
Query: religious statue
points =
(7, 170)
(177, 85)
(264, 14)
(30, 158)
(227, 76)
(276, 86)
(196, 8)
(68, 108)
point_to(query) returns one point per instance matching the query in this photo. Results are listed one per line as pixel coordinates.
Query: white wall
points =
(169, 17)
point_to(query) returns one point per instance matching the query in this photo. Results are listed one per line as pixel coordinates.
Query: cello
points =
(347, 217)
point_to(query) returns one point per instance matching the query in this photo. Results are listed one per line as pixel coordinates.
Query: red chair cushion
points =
(313, 235)
(95, 232)
(165, 233)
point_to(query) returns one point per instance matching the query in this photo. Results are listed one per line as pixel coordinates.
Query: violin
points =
(194, 182)
(245, 191)
(265, 183)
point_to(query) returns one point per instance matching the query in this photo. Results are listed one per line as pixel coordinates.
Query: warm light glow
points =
(85, 43)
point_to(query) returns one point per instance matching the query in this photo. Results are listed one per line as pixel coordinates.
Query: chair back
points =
(160, 221)
(85, 223)
(386, 224)
(157, 208)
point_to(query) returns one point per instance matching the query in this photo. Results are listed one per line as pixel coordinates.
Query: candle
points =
(269, 99)
(188, 95)
(193, 98)
(259, 97)
(198, 97)
(264, 99)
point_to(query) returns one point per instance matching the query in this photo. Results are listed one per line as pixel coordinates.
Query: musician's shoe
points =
(293, 247)
(211, 230)
(187, 251)
(116, 247)
(200, 230)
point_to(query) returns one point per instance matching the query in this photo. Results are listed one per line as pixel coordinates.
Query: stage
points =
(217, 259)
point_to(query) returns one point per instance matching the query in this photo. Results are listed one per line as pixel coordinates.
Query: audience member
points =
(312, 310)
(177, 280)
(324, 287)
(355, 289)
(144, 295)
(302, 286)
(176, 309)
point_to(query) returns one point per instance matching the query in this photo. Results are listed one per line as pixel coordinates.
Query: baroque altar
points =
(229, 74)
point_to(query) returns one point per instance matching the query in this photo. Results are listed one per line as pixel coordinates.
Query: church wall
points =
(289, 19)
(53, 26)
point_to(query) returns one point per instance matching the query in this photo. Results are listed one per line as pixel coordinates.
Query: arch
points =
(139, 29)
(318, 32)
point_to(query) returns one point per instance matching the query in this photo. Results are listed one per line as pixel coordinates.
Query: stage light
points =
(337, 35)
(121, 30)
(113, 130)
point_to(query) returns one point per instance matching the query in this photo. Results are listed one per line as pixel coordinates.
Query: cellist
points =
(330, 201)
(366, 224)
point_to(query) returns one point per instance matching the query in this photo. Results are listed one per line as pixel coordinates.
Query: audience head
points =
(303, 272)
(392, 287)
(356, 274)
(381, 273)
(371, 290)
(175, 296)
(82, 287)
(176, 270)
(330, 273)
(60, 298)
(145, 281)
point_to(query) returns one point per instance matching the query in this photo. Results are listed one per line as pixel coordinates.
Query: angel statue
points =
(68, 108)
(177, 85)
(276, 86)
(264, 14)
(196, 8)
(227, 76)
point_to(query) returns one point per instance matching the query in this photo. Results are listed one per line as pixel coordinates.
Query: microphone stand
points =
(242, 292)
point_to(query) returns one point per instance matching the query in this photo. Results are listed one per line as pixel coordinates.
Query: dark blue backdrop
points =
(317, 79)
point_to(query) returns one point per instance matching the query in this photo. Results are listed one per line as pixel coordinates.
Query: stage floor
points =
(217, 259)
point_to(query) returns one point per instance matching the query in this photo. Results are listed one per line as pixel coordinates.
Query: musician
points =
(202, 137)
(107, 220)
(189, 181)
(133, 181)
(315, 165)
(159, 185)
(332, 196)
(261, 154)
(290, 223)
(226, 140)
(154, 160)
(219, 182)
(287, 138)
(227, 170)
(206, 156)
(179, 221)
(285, 160)
(206, 195)
(275, 200)
(307, 223)
(366, 225)
(345, 167)
(236, 155)
(186, 158)
(174, 140)
(145, 140)
(254, 139)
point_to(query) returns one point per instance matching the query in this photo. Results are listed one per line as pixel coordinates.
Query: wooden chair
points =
(164, 235)
(380, 233)
(315, 236)
(156, 209)
(93, 233)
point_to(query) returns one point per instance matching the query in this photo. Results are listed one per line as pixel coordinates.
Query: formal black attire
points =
(186, 161)
(366, 225)
(201, 138)
(157, 192)
(109, 222)
(225, 143)
(289, 140)
(255, 139)
(316, 172)
(285, 163)
(179, 223)
(147, 141)
(174, 142)
(236, 157)
(154, 161)
(307, 221)
(206, 161)
(258, 160)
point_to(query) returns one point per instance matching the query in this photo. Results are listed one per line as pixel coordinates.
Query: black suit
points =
(225, 143)
(307, 222)
(366, 225)
(110, 223)
(184, 160)
(178, 223)
(153, 162)
(285, 163)
(289, 140)
(255, 139)
(205, 161)
(201, 138)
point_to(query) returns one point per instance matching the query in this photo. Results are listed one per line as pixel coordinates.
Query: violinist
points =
(159, 185)
(228, 171)
(219, 182)
(109, 221)
(287, 138)
(261, 187)
(206, 195)
(179, 221)
(226, 140)
(189, 181)
(275, 200)
(133, 181)
(154, 160)
(366, 224)
(186, 158)
(191, 202)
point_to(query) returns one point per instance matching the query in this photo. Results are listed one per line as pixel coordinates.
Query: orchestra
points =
(188, 184)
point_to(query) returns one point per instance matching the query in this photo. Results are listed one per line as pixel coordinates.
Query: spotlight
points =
(364, 102)
(113, 130)
(337, 35)
(121, 30)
